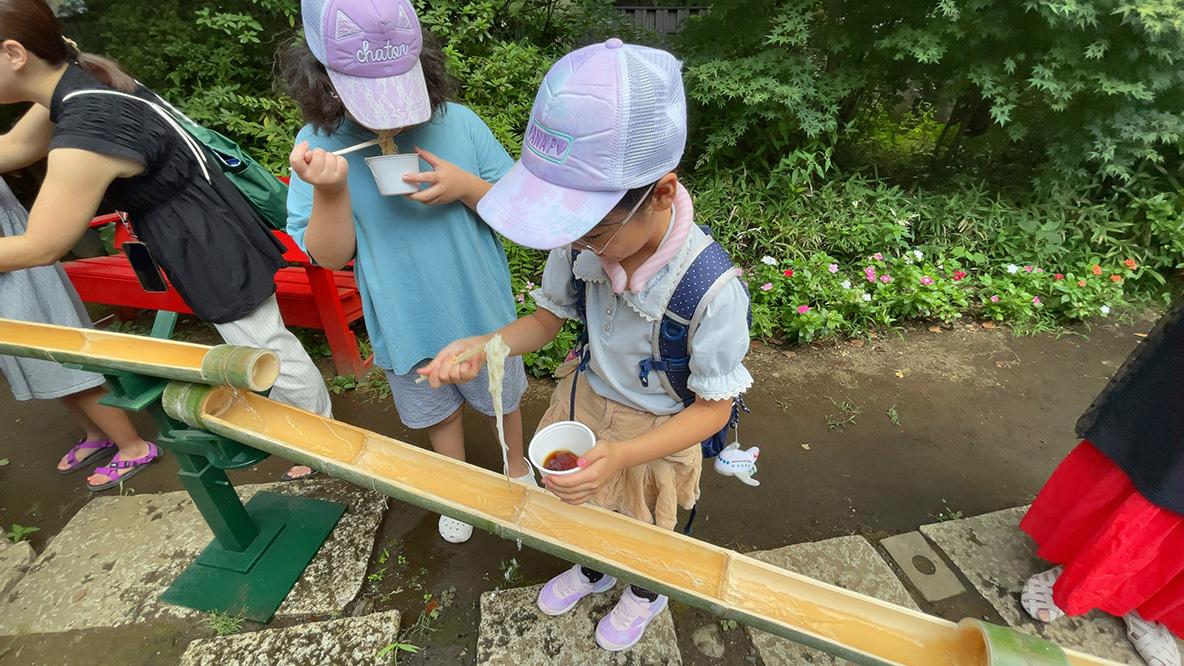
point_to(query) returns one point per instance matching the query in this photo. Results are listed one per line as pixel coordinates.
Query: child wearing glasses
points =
(596, 186)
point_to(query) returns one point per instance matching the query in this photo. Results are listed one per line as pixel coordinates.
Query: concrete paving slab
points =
(355, 640)
(925, 569)
(849, 562)
(998, 558)
(515, 633)
(15, 559)
(112, 561)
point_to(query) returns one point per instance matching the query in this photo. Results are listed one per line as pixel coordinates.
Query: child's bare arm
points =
(330, 236)
(522, 336)
(692, 425)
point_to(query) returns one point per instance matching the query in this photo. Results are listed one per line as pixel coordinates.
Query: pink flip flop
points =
(102, 449)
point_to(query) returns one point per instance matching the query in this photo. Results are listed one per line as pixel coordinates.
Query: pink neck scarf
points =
(684, 216)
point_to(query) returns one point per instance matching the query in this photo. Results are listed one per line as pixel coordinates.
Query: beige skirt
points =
(651, 492)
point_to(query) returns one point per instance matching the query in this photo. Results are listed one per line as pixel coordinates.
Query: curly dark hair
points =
(305, 80)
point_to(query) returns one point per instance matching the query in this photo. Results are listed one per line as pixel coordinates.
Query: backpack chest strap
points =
(707, 274)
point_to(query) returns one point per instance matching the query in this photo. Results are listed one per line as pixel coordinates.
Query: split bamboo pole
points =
(852, 626)
(240, 367)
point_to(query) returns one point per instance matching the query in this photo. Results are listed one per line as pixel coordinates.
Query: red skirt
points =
(1120, 551)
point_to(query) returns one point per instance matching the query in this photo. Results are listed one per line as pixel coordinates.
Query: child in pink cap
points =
(429, 270)
(596, 186)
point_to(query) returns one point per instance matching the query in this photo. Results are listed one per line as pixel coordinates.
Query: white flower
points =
(918, 255)
(768, 261)
(908, 260)
(1105, 309)
(1013, 269)
(846, 284)
(867, 297)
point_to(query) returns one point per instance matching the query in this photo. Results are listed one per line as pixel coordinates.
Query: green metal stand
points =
(259, 550)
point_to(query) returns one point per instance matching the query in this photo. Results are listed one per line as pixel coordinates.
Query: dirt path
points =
(867, 438)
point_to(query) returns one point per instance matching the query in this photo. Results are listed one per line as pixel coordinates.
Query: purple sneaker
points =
(564, 591)
(626, 622)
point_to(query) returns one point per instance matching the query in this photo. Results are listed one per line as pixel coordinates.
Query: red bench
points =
(309, 296)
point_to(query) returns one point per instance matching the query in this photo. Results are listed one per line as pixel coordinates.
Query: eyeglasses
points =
(633, 211)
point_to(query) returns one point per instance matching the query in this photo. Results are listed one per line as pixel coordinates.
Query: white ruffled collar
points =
(651, 301)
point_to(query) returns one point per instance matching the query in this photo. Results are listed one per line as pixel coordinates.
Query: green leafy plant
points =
(18, 533)
(224, 624)
(392, 651)
(848, 411)
(1084, 88)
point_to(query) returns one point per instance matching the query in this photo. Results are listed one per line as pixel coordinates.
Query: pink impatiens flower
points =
(768, 286)
(1035, 300)
(878, 257)
(994, 299)
(803, 309)
(870, 274)
(926, 280)
(885, 278)
(833, 268)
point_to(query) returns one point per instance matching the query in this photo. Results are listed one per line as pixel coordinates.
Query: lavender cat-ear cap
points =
(371, 50)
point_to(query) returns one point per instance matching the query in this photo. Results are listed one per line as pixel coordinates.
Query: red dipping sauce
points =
(561, 461)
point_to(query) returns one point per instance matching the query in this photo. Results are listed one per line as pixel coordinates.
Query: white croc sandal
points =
(1037, 596)
(1154, 643)
(454, 531)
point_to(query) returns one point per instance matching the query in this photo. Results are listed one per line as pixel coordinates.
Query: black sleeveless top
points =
(1138, 419)
(211, 243)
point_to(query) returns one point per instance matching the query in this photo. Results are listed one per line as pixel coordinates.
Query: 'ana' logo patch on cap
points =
(551, 145)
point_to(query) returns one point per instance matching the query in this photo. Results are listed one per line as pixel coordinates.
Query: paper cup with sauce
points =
(560, 443)
(389, 170)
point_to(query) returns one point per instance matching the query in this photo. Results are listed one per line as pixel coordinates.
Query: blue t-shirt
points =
(428, 274)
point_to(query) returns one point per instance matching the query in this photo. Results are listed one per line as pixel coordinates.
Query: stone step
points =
(355, 640)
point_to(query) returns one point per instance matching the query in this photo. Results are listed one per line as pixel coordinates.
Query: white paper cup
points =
(389, 170)
(564, 435)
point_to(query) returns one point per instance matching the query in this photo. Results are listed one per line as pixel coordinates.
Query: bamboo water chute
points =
(731, 585)
(205, 395)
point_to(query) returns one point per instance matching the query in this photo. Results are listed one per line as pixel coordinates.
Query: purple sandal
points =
(129, 468)
(102, 449)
